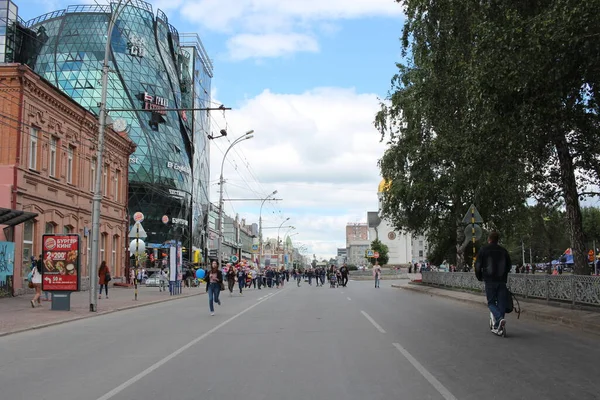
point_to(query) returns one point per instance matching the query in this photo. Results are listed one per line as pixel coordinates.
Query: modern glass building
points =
(153, 70)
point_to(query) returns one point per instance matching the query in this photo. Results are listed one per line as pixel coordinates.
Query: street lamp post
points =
(246, 136)
(97, 199)
(260, 237)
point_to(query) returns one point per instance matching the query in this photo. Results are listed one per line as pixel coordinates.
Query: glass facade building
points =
(153, 69)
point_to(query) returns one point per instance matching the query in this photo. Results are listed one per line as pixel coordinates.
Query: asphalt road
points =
(300, 343)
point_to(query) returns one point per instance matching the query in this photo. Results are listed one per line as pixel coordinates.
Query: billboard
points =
(60, 268)
(7, 266)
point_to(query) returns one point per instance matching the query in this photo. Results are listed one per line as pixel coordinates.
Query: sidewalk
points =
(588, 321)
(16, 314)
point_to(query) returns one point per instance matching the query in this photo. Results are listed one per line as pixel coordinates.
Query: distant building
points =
(403, 247)
(342, 255)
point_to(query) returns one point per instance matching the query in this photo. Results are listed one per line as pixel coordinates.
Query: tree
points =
(383, 251)
(498, 102)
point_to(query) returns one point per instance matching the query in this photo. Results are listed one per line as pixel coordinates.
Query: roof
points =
(15, 217)
(383, 186)
(373, 219)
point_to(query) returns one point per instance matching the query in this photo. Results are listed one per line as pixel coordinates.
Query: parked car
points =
(155, 279)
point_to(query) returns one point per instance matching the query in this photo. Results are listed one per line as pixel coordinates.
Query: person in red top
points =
(214, 280)
(103, 278)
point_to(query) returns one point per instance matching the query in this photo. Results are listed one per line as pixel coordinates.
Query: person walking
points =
(103, 278)
(36, 283)
(377, 273)
(214, 282)
(230, 278)
(344, 271)
(241, 276)
(492, 267)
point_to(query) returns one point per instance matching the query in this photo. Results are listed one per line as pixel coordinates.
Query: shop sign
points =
(136, 46)
(179, 221)
(60, 267)
(176, 193)
(179, 167)
(155, 104)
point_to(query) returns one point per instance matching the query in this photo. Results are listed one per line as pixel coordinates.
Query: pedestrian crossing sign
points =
(370, 253)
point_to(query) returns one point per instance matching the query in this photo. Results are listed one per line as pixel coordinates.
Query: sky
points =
(307, 76)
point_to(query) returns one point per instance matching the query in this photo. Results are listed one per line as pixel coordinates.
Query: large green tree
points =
(439, 160)
(497, 101)
(382, 249)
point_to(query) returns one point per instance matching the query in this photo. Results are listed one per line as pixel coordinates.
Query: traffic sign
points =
(370, 253)
(138, 217)
(376, 254)
(234, 259)
(137, 231)
(472, 213)
(254, 247)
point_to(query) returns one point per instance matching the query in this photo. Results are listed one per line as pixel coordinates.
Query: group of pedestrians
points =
(319, 274)
(245, 276)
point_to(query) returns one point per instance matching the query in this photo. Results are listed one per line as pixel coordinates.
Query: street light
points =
(246, 136)
(279, 229)
(97, 199)
(260, 237)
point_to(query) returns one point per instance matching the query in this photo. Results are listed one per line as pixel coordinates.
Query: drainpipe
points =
(20, 70)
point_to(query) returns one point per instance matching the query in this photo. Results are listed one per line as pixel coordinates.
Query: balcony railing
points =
(574, 289)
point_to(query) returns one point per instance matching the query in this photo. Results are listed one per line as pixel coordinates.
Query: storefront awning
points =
(15, 217)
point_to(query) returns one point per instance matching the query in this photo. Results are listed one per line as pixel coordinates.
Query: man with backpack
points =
(492, 267)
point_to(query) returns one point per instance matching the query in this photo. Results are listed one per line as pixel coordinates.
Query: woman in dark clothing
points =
(230, 279)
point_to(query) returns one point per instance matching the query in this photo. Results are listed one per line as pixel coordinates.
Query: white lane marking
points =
(426, 374)
(171, 356)
(371, 320)
(348, 298)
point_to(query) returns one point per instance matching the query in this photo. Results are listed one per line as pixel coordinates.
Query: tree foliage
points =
(496, 102)
(382, 249)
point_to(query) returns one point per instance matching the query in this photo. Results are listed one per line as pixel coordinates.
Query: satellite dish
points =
(120, 125)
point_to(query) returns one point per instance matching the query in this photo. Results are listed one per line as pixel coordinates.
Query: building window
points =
(102, 246)
(116, 188)
(52, 166)
(70, 153)
(33, 144)
(49, 228)
(67, 229)
(93, 175)
(105, 180)
(28, 229)
(113, 258)
(420, 253)
(420, 243)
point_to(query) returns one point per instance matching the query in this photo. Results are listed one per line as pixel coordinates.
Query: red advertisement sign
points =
(60, 271)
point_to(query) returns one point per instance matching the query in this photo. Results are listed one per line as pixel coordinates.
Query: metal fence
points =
(575, 289)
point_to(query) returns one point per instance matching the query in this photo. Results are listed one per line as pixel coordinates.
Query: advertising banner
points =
(7, 266)
(60, 271)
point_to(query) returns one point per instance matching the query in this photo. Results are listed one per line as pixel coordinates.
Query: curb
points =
(573, 323)
(97, 314)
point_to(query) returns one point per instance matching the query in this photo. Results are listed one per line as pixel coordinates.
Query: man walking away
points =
(344, 271)
(492, 267)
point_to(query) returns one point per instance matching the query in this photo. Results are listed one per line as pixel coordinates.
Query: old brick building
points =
(47, 167)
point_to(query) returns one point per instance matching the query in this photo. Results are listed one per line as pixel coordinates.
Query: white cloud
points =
(287, 26)
(269, 45)
(319, 149)
(223, 15)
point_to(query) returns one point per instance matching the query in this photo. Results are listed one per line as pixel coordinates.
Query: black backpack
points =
(510, 303)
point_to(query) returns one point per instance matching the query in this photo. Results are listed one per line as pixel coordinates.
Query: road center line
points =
(371, 320)
(426, 374)
(171, 356)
